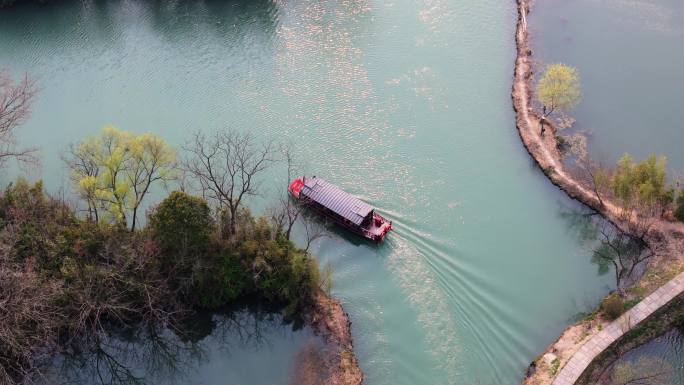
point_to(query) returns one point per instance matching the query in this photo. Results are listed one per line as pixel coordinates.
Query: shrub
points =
(555, 364)
(645, 181)
(612, 307)
(679, 210)
(38, 224)
(182, 226)
(219, 281)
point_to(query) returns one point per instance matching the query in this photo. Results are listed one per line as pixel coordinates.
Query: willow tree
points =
(151, 160)
(115, 171)
(558, 90)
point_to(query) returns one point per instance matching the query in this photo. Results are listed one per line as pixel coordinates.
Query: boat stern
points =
(380, 228)
(386, 227)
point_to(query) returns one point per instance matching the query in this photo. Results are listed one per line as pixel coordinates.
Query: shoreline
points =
(329, 319)
(544, 151)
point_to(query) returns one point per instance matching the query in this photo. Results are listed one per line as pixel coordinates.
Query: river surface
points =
(405, 103)
(629, 54)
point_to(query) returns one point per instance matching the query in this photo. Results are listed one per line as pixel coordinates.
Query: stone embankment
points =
(569, 354)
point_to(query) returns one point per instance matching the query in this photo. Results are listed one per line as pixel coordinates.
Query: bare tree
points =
(596, 176)
(290, 211)
(622, 250)
(612, 250)
(15, 108)
(226, 165)
(285, 214)
(314, 229)
(29, 320)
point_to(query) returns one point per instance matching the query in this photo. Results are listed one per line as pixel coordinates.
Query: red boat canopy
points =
(335, 199)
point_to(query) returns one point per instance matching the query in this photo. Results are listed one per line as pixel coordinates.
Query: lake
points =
(406, 104)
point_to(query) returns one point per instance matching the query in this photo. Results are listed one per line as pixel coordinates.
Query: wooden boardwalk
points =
(600, 341)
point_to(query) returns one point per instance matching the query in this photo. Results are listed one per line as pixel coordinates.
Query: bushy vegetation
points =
(679, 211)
(643, 182)
(642, 186)
(182, 227)
(65, 281)
(259, 261)
(612, 307)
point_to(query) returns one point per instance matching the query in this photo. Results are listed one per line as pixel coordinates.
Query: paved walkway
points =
(599, 342)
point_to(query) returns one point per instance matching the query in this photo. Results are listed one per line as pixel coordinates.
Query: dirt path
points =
(544, 150)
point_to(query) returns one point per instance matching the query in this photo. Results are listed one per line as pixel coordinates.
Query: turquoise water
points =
(406, 104)
(629, 55)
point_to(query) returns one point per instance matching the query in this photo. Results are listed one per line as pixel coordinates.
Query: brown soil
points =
(544, 150)
(331, 321)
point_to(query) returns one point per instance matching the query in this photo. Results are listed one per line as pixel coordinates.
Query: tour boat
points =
(340, 206)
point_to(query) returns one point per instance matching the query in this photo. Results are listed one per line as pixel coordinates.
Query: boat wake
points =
(425, 295)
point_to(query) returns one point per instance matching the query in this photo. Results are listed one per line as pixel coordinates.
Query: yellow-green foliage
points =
(644, 182)
(559, 87)
(114, 171)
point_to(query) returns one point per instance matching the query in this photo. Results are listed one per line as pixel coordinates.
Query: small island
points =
(73, 274)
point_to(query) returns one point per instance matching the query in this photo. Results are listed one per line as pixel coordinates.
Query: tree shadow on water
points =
(148, 356)
(581, 222)
(585, 225)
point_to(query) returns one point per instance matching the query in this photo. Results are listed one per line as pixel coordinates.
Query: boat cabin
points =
(344, 208)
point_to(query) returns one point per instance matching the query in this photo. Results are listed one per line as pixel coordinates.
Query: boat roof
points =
(334, 198)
